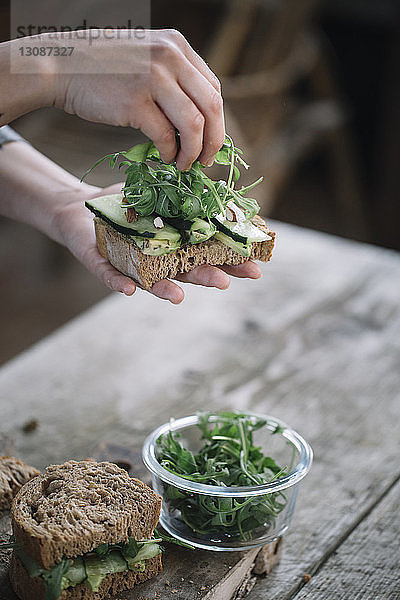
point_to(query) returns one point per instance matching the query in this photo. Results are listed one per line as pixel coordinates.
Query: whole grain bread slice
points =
(72, 508)
(124, 254)
(32, 588)
(13, 475)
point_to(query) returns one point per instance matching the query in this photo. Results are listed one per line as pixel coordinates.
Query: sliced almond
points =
(158, 222)
(230, 214)
(234, 213)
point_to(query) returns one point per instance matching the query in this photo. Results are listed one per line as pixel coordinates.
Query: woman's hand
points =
(156, 83)
(75, 225)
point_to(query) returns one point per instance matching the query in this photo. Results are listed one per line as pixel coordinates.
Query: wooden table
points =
(315, 342)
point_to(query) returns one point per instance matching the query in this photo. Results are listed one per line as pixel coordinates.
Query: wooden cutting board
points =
(187, 574)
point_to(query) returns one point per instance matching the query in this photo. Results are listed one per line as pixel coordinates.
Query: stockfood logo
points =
(80, 37)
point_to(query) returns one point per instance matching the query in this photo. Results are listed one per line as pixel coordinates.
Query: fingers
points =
(198, 118)
(155, 124)
(189, 95)
(114, 188)
(209, 102)
(204, 275)
(207, 276)
(202, 67)
(104, 271)
(248, 269)
(79, 237)
(180, 41)
(168, 290)
(204, 88)
(186, 117)
(114, 280)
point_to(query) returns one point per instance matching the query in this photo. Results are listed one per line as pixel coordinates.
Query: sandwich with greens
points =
(83, 530)
(167, 221)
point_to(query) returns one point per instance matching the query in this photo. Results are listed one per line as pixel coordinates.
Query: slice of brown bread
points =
(13, 474)
(72, 508)
(122, 252)
(28, 588)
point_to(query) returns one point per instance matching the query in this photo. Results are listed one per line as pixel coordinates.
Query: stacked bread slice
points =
(71, 512)
(13, 474)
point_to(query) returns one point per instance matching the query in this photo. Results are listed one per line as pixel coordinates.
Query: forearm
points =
(21, 93)
(33, 189)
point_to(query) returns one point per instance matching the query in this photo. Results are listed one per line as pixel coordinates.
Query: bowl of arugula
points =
(221, 488)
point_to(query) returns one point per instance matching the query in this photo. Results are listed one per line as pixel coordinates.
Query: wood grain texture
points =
(315, 342)
(368, 560)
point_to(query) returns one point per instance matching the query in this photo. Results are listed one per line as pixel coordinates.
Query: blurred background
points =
(312, 95)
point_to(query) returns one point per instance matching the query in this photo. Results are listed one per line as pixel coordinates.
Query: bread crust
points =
(125, 256)
(13, 475)
(72, 508)
(32, 588)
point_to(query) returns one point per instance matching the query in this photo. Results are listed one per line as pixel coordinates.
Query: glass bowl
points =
(269, 506)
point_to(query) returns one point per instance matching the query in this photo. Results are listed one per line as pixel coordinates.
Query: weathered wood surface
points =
(369, 558)
(315, 342)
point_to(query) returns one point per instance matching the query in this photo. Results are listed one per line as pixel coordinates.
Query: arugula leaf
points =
(131, 548)
(139, 153)
(102, 549)
(172, 540)
(163, 190)
(228, 457)
(53, 579)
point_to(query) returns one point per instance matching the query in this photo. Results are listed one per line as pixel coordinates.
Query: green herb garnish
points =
(172, 540)
(227, 458)
(165, 191)
(92, 567)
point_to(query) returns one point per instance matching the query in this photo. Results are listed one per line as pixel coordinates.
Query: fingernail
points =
(177, 298)
(129, 290)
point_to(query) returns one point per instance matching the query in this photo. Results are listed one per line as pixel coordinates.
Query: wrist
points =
(43, 189)
(35, 55)
(27, 81)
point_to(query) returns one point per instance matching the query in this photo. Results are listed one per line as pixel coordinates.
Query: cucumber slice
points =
(243, 232)
(111, 210)
(194, 232)
(154, 246)
(201, 230)
(239, 247)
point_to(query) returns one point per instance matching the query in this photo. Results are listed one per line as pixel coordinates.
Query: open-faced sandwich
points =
(167, 221)
(83, 530)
